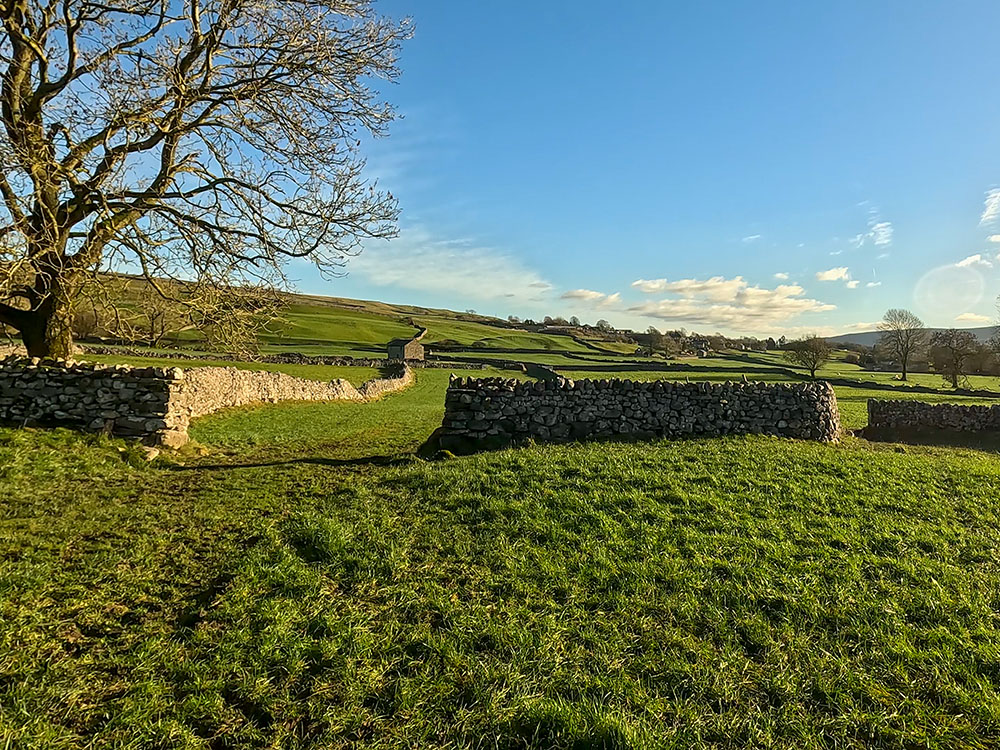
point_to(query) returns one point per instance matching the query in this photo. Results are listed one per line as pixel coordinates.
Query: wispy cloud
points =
(833, 274)
(853, 284)
(419, 260)
(873, 284)
(879, 233)
(781, 276)
(991, 208)
(968, 317)
(974, 260)
(751, 238)
(995, 238)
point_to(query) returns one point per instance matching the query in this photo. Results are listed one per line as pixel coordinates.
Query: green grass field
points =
(723, 593)
(297, 578)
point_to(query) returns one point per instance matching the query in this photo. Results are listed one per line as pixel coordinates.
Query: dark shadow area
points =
(988, 442)
(305, 460)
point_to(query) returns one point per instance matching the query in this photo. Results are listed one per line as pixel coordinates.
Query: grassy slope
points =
(468, 333)
(674, 594)
(335, 330)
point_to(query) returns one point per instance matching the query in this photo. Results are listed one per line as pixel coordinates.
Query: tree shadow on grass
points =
(384, 461)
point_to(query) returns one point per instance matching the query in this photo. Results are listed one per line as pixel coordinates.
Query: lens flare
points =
(946, 289)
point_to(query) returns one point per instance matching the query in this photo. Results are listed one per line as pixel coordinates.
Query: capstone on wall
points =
(917, 415)
(156, 403)
(497, 410)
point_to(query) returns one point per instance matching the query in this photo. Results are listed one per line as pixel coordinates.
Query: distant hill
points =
(869, 338)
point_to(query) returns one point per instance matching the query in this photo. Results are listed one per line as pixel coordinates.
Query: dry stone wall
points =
(121, 400)
(156, 403)
(497, 410)
(917, 415)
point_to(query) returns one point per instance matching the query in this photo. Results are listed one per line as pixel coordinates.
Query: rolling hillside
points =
(869, 338)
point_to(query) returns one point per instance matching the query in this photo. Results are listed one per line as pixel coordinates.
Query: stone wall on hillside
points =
(497, 410)
(282, 358)
(156, 403)
(917, 415)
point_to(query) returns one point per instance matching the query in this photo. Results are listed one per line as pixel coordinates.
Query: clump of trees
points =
(203, 141)
(952, 351)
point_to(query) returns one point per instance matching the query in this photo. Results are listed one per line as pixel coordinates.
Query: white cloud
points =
(833, 274)
(853, 284)
(419, 260)
(722, 302)
(861, 327)
(974, 260)
(781, 276)
(600, 299)
(991, 207)
(972, 318)
(873, 284)
(751, 238)
(995, 238)
(587, 295)
(717, 288)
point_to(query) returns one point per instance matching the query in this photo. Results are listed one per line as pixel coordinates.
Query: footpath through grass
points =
(722, 593)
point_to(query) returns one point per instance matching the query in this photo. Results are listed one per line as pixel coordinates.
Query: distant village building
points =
(406, 348)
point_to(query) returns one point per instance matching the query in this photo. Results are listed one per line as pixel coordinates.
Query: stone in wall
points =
(499, 411)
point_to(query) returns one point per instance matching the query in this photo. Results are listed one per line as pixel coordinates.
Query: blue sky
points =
(749, 167)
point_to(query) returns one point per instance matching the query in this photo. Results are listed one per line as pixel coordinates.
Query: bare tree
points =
(209, 140)
(162, 317)
(951, 351)
(811, 353)
(86, 322)
(903, 336)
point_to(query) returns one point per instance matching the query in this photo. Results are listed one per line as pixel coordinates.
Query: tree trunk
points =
(904, 368)
(47, 331)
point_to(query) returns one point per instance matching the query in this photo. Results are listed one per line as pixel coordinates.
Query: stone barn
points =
(406, 349)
